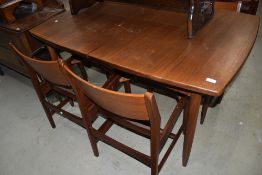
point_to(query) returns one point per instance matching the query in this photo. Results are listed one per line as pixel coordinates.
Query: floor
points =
(229, 142)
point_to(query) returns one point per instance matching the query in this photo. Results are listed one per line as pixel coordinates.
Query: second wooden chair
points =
(136, 112)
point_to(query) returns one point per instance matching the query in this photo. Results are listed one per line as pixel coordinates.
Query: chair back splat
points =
(48, 69)
(137, 113)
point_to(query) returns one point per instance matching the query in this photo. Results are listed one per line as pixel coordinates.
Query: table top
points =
(153, 43)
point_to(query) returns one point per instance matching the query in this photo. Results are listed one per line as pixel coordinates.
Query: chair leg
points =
(154, 168)
(48, 114)
(71, 61)
(154, 146)
(88, 124)
(51, 120)
(154, 159)
(82, 70)
(154, 156)
(71, 101)
(41, 97)
(127, 87)
(58, 97)
(92, 141)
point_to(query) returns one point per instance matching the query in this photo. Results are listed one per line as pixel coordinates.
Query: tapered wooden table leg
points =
(191, 121)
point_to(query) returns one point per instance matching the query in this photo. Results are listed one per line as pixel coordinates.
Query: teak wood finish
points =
(126, 110)
(151, 43)
(47, 78)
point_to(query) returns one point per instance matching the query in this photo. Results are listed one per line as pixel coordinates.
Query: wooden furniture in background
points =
(152, 44)
(181, 6)
(17, 32)
(232, 6)
(136, 112)
(247, 6)
(198, 12)
(7, 9)
(2, 1)
(39, 3)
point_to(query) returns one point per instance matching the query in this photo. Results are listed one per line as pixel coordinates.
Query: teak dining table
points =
(153, 44)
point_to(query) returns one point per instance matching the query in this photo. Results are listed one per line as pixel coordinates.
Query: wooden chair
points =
(47, 78)
(136, 112)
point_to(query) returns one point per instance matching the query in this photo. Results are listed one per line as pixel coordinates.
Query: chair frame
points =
(146, 127)
(43, 87)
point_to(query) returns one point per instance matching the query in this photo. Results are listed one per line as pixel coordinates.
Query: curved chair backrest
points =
(131, 106)
(48, 69)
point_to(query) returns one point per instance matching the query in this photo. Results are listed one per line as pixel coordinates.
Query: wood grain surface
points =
(153, 43)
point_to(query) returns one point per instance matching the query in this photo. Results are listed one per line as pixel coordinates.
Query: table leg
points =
(205, 106)
(191, 121)
(1, 71)
(214, 101)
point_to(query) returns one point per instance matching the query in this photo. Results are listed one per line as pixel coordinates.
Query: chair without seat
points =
(136, 112)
